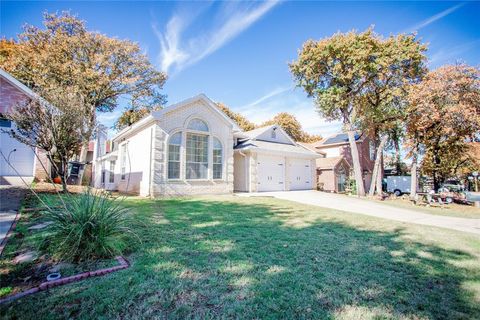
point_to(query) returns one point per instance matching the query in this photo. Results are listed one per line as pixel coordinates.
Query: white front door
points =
(271, 173)
(300, 174)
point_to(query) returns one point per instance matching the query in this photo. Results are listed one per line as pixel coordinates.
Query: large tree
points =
(65, 55)
(443, 117)
(292, 126)
(354, 76)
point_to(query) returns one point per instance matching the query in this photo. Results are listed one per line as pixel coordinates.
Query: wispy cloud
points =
(286, 99)
(452, 54)
(178, 52)
(271, 94)
(435, 17)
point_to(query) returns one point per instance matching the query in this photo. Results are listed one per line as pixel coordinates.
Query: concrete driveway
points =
(362, 206)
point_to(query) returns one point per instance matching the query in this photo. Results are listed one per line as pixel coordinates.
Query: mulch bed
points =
(123, 264)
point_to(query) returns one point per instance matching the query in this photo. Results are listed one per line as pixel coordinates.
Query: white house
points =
(193, 148)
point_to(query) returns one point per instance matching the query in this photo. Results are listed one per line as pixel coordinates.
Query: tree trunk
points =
(83, 159)
(380, 176)
(398, 163)
(356, 163)
(376, 168)
(413, 173)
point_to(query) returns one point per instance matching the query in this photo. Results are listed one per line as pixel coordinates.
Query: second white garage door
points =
(300, 174)
(271, 173)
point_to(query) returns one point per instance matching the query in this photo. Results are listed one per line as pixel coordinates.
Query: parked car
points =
(453, 185)
(399, 185)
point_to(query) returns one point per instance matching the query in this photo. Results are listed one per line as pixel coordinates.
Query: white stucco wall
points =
(240, 170)
(177, 121)
(137, 160)
(331, 152)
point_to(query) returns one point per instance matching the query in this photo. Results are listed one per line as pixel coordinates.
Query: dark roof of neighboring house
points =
(339, 138)
(336, 140)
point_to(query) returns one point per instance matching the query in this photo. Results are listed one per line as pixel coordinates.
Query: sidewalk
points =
(10, 200)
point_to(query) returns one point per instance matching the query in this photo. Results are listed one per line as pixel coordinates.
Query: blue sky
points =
(238, 52)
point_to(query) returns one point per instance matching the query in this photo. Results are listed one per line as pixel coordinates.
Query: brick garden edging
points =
(62, 281)
(9, 232)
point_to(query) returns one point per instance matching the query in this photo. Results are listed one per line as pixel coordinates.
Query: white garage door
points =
(22, 159)
(300, 174)
(271, 173)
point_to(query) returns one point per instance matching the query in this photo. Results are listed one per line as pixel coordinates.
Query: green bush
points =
(88, 226)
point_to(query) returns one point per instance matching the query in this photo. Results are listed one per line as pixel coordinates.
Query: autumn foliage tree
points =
(355, 77)
(443, 116)
(65, 55)
(239, 119)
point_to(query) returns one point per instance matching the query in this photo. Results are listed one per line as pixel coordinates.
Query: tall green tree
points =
(65, 54)
(356, 76)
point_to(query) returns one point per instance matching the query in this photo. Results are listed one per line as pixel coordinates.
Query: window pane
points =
(198, 125)
(112, 172)
(176, 139)
(173, 170)
(197, 156)
(217, 159)
(174, 157)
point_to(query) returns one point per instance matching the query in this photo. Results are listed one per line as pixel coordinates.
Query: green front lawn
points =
(232, 257)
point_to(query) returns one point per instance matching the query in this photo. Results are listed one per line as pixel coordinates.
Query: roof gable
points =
(273, 133)
(198, 98)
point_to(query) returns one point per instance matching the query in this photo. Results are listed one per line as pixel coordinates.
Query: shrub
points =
(88, 226)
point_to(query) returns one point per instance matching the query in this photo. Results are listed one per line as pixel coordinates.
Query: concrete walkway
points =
(10, 200)
(362, 206)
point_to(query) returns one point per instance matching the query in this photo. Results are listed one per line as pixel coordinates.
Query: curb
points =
(10, 232)
(123, 264)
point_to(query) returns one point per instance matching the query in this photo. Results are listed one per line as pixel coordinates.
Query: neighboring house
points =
(21, 156)
(334, 168)
(193, 148)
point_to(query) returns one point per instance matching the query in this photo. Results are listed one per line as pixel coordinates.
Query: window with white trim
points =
(197, 125)
(111, 179)
(217, 159)
(123, 157)
(174, 145)
(196, 164)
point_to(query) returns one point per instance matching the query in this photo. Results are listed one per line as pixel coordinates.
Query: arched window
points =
(197, 125)
(217, 159)
(174, 156)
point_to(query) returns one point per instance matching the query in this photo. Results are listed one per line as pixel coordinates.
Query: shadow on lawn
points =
(261, 261)
(221, 259)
